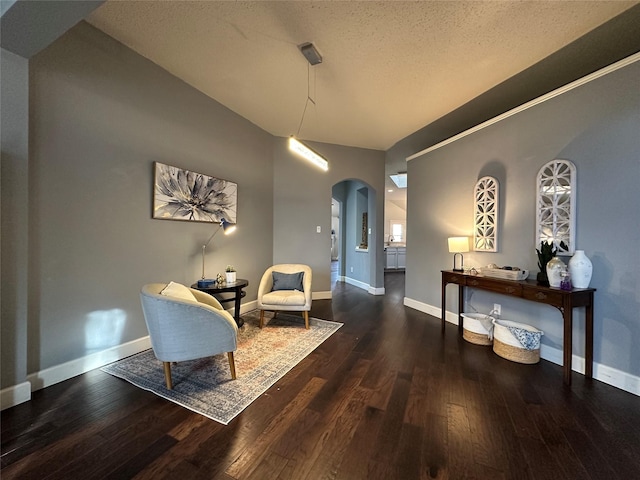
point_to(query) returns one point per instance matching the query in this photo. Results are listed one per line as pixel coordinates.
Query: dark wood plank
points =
(355, 462)
(433, 460)
(290, 417)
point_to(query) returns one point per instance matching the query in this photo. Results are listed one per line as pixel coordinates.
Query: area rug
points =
(205, 386)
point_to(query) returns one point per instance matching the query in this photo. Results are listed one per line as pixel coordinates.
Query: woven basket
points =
(507, 346)
(473, 331)
(515, 354)
(476, 338)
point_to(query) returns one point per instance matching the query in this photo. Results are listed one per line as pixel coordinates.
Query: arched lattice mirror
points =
(555, 212)
(485, 215)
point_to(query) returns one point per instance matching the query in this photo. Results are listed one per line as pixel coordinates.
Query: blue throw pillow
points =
(287, 281)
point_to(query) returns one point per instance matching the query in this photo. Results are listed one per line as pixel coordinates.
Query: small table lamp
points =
(457, 245)
(227, 227)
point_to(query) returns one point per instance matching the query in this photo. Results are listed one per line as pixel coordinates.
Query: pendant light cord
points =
(309, 99)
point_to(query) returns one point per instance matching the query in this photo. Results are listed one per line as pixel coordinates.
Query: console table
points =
(563, 300)
(234, 287)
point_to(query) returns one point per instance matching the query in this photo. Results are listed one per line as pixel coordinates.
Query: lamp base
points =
(206, 282)
(461, 269)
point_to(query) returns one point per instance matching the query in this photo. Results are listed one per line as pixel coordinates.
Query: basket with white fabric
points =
(477, 328)
(517, 342)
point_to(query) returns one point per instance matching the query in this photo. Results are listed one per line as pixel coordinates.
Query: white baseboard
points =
(59, 373)
(376, 291)
(20, 393)
(423, 307)
(609, 375)
(15, 395)
(363, 286)
(321, 295)
(356, 283)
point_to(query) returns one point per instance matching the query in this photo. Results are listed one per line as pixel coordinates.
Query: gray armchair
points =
(286, 298)
(183, 329)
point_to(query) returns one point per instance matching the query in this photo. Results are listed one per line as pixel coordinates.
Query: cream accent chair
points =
(285, 300)
(186, 329)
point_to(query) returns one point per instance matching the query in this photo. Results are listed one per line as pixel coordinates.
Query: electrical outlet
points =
(351, 269)
(497, 308)
(318, 229)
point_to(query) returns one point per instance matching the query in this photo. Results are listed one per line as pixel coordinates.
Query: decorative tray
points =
(504, 274)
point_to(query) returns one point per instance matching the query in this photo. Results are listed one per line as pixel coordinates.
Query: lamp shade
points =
(458, 244)
(227, 227)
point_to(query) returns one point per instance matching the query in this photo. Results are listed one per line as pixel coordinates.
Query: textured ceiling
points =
(389, 68)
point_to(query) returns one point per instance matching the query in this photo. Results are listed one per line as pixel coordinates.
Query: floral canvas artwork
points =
(184, 195)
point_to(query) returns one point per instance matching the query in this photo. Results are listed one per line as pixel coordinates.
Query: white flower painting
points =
(184, 195)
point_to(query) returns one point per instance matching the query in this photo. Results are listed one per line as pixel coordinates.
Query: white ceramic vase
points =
(555, 267)
(231, 277)
(581, 269)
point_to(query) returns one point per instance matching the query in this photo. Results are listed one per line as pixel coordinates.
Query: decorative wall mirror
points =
(485, 215)
(555, 210)
(365, 226)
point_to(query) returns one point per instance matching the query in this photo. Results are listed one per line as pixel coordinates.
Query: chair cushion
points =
(287, 281)
(284, 297)
(176, 290)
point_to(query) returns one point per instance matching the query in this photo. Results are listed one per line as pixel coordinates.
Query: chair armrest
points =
(266, 283)
(203, 297)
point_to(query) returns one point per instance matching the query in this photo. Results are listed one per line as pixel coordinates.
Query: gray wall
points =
(14, 94)
(100, 116)
(302, 201)
(597, 127)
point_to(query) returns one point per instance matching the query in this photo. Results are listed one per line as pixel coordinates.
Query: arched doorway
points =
(359, 247)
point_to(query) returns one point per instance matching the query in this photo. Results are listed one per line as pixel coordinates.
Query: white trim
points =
(50, 376)
(422, 307)
(321, 295)
(356, 283)
(536, 101)
(15, 395)
(362, 250)
(362, 285)
(609, 375)
(59, 373)
(612, 376)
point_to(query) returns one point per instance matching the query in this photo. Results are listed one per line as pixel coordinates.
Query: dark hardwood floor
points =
(386, 397)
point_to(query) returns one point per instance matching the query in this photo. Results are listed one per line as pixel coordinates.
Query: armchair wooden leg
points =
(232, 365)
(306, 319)
(167, 375)
(261, 318)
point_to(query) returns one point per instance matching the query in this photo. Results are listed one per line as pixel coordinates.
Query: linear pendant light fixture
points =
(304, 151)
(313, 57)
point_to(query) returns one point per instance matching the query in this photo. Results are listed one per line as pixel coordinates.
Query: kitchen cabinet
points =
(396, 258)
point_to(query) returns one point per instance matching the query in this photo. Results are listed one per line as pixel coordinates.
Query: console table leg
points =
(236, 313)
(460, 307)
(444, 303)
(567, 350)
(588, 348)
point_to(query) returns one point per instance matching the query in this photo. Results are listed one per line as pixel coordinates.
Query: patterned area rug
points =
(205, 386)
